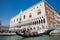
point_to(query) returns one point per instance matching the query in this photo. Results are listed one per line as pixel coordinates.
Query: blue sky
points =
(10, 8)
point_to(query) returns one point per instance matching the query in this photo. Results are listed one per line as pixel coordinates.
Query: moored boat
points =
(31, 33)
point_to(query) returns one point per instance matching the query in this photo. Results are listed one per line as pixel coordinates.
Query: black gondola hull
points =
(29, 35)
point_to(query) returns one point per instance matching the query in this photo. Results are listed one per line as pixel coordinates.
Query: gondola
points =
(34, 35)
(23, 35)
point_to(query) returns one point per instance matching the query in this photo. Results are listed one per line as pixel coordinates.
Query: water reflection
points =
(36, 38)
(44, 37)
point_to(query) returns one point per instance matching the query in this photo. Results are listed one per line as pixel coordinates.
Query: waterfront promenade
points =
(4, 31)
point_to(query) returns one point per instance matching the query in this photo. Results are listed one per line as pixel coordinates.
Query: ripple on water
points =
(44, 37)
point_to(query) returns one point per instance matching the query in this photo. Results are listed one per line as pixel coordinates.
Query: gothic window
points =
(39, 12)
(44, 20)
(37, 7)
(30, 15)
(30, 28)
(24, 16)
(20, 19)
(39, 21)
(35, 22)
(17, 19)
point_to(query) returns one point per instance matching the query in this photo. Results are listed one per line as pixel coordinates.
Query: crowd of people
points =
(27, 32)
(6, 31)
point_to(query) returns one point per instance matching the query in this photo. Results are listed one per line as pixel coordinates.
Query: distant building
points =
(3, 27)
(38, 16)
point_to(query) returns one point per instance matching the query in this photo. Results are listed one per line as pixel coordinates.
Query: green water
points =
(44, 37)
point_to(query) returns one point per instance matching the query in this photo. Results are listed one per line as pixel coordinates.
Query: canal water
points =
(44, 37)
